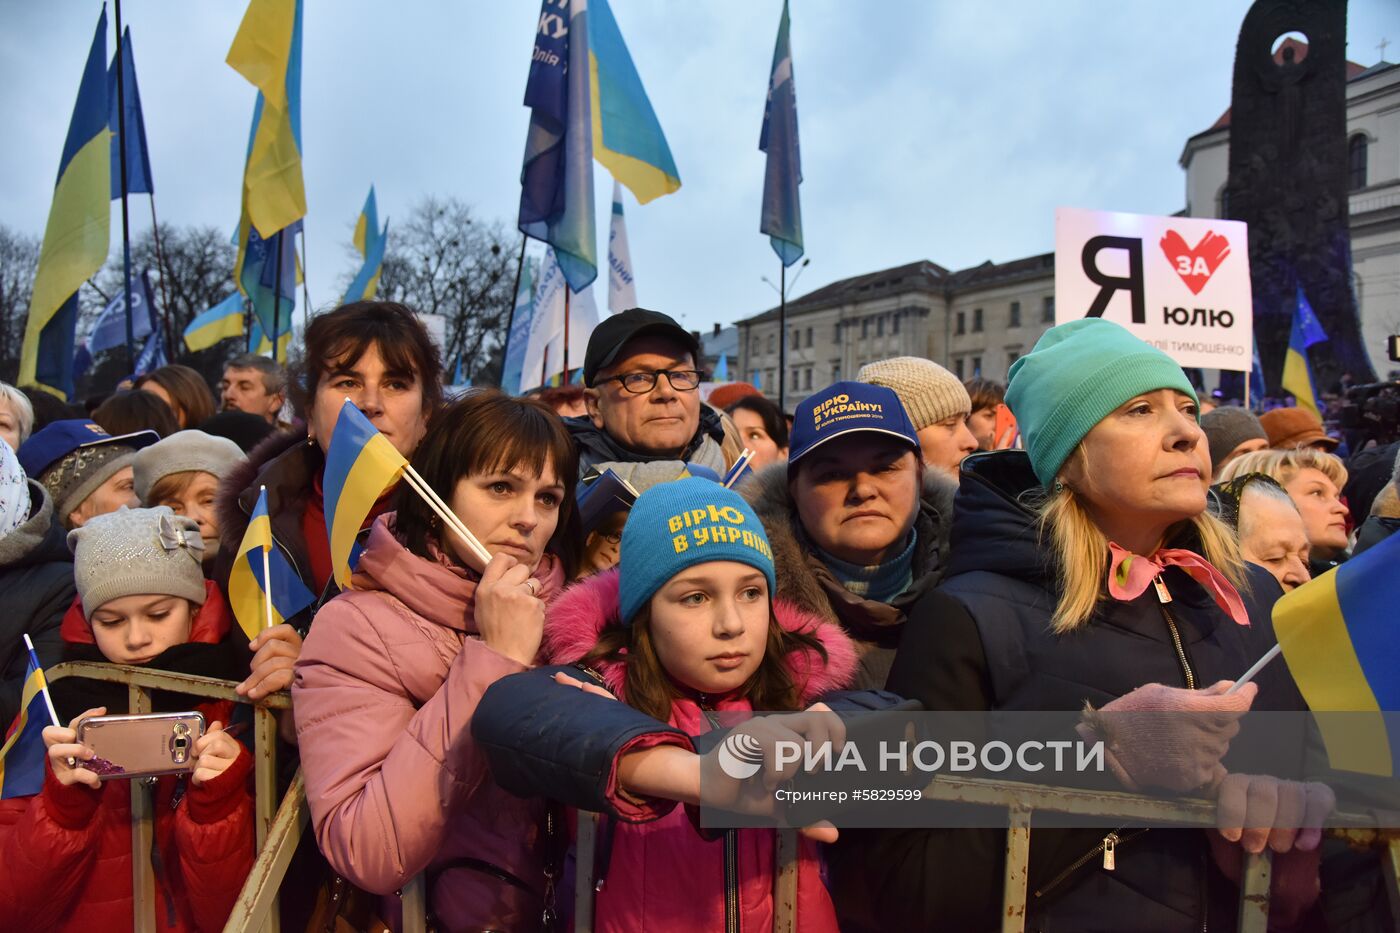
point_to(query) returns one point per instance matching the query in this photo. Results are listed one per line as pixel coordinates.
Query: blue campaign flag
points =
(781, 217)
(556, 179)
(518, 340)
(109, 330)
(152, 355)
(138, 160)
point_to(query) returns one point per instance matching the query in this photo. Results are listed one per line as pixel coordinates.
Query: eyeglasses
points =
(682, 380)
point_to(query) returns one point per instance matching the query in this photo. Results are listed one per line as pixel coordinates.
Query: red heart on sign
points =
(1195, 264)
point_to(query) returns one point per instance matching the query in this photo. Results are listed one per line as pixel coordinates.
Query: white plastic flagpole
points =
(44, 685)
(1255, 668)
(267, 576)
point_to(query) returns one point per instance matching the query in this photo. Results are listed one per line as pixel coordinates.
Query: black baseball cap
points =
(613, 333)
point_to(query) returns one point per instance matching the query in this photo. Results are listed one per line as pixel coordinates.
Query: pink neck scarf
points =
(1129, 576)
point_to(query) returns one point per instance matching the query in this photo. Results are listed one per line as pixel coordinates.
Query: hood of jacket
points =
(41, 538)
(439, 590)
(796, 566)
(285, 462)
(588, 608)
(996, 526)
(596, 445)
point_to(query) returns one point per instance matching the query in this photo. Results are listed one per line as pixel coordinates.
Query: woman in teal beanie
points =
(1087, 575)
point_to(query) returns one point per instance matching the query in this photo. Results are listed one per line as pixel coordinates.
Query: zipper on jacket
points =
(1107, 849)
(1186, 671)
(731, 845)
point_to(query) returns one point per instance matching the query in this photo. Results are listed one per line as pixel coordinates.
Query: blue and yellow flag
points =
(267, 52)
(627, 137)
(360, 466)
(1297, 373)
(781, 217)
(22, 757)
(247, 587)
(1339, 637)
(138, 160)
(77, 235)
(556, 179)
(369, 242)
(221, 322)
(261, 343)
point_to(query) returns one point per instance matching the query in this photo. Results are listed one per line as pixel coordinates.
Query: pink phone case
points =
(141, 746)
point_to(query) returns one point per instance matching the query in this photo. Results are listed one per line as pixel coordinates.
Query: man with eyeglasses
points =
(642, 379)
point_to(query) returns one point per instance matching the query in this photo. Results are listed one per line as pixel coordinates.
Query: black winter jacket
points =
(982, 641)
(36, 578)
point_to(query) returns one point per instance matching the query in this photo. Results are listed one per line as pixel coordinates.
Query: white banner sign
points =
(1180, 283)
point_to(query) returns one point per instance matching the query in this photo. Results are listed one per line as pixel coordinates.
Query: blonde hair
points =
(1282, 465)
(1081, 550)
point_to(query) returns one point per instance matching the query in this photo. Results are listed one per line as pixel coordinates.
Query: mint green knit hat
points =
(1077, 374)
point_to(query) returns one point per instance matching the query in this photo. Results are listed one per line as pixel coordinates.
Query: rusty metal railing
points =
(140, 682)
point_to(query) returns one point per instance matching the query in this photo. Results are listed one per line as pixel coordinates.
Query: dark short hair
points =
(341, 337)
(274, 375)
(481, 432)
(985, 393)
(187, 388)
(773, 421)
(137, 410)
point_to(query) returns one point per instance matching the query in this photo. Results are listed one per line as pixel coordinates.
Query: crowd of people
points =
(900, 537)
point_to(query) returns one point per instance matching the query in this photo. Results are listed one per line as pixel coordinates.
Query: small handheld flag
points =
(742, 467)
(22, 756)
(361, 465)
(263, 589)
(1338, 634)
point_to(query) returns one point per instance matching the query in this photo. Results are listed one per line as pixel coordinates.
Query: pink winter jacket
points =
(386, 685)
(663, 875)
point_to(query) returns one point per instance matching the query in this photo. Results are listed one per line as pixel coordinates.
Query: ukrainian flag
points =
(1297, 374)
(369, 242)
(262, 344)
(1339, 637)
(22, 757)
(627, 137)
(220, 322)
(781, 217)
(247, 586)
(76, 238)
(267, 51)
(360, 466)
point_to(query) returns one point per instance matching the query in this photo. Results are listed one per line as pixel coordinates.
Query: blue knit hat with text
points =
(1075, 377)
(677, 525)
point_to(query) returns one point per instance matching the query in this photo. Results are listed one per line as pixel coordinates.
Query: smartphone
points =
(141, 746)
(1004, 432)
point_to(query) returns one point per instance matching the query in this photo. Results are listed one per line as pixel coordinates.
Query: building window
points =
(864, 327)
(962, 323)
(772, 342)
(977, 320)
(809, 336)
(796, 379)
(1047, 309)
(977, 367)
(1356, 162)
(768, 380)
(807, 379)
(958, 367)
(1011, 357)
(880, 327)
(1014, 319)
(894, 324)
(836, 333)
(755, 346)
(835, 372)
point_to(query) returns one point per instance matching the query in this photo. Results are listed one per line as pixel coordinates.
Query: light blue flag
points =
(109, 330)
(781, 217)
(722, 370)
(556, 179)
(138, 160)
(517, 341)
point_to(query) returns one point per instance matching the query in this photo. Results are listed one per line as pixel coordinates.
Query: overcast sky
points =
(947, 131)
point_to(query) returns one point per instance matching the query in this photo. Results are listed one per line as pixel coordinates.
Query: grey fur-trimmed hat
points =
(136, 552)
(183, 452)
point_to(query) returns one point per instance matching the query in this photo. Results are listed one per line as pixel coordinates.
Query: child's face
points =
(135, 629)
(709, 625)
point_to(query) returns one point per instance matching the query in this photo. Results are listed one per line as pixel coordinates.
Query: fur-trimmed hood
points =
(767, 492)
(585, 610)
(233, 517)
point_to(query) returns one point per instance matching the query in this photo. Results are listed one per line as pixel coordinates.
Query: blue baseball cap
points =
(58, 439)
(846, 408)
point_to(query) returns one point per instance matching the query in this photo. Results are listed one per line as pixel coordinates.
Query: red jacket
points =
(66, 851)
(663, 875)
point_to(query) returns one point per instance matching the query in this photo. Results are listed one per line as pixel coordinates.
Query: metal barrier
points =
(139, 683)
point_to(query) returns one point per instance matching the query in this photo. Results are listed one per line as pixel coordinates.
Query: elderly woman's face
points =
(1146, 464)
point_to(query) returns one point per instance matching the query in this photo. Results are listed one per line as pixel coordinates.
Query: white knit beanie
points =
(137, 552)
(183, 452)
(929, 392)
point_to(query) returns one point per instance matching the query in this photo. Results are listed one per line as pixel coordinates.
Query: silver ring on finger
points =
(534, 586)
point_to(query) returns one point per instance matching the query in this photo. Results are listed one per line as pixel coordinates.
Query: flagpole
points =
(514, 299)
(44, 688)
(305, 290)
(167, 313)
(782, 334)
(565, 380)
(126, 219)
(277, 291)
